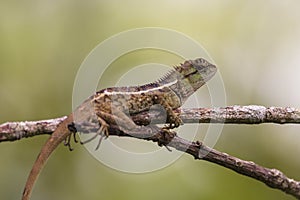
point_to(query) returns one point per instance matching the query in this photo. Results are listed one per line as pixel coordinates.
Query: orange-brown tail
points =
(55, 139)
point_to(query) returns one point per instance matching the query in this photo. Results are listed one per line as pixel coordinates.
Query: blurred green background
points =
(255, 44)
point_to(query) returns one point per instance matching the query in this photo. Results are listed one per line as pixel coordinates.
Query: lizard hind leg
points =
(102, 131)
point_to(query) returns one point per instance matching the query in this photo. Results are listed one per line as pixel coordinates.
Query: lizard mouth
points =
(208, 72)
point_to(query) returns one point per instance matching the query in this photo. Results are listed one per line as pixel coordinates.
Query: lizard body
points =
(113, 106)
(171, 91)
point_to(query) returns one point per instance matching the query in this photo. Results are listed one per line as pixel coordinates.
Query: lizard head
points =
(197, 72)
(188, 77)
(204, 68)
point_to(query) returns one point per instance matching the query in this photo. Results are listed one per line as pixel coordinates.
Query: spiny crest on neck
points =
(194, 70)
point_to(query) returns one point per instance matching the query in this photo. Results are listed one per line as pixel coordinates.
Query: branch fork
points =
(252, 114)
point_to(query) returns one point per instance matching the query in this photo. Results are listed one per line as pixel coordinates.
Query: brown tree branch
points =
(271, 177)
(274, 178)
(251, 114)
(11, 131)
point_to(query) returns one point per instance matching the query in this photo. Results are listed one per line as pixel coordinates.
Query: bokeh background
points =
(255, 44)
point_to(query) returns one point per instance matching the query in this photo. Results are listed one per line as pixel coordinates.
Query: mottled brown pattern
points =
(112, 106)
(134, 102)
(171, 91)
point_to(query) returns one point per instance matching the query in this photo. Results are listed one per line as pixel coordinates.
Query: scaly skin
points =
(171, 92)
(112, 106)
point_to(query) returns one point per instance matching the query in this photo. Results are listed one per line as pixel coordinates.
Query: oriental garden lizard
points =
(113, 106)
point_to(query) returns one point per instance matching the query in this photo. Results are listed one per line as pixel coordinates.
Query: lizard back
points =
(175, 87)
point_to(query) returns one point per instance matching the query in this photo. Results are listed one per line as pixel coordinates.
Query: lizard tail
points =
(55, 139)
(34, 173)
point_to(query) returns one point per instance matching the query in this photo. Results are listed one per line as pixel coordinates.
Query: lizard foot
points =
(102, 131)
(68, 141)
(73, 131)
(175, 121)
(166, 137)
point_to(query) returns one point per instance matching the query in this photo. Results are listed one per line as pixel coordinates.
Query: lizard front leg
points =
(174, 119)
(118, 118)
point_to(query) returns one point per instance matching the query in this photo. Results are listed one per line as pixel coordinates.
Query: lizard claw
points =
(67, 143)
(71, 127)
(166, 137)
(175, 121)
(102, 131)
